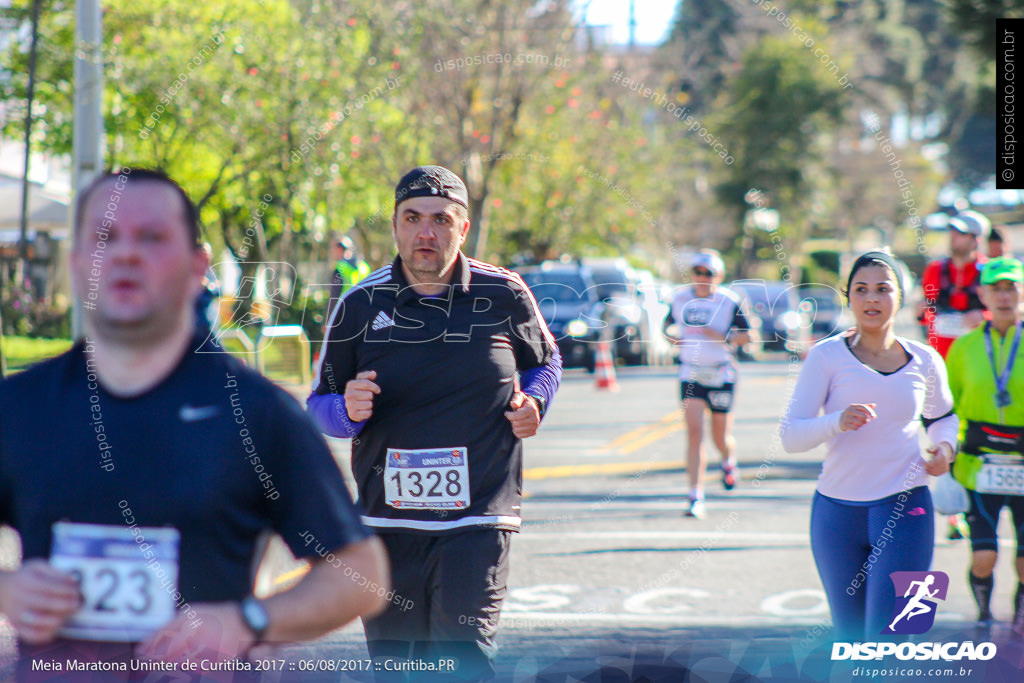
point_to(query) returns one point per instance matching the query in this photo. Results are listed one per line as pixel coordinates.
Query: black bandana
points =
(431, 181)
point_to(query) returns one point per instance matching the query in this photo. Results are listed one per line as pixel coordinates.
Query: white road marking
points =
(556, 619)
(675, 507)
(534, 620)
(776, 604)
(802, 538)
(660, 600)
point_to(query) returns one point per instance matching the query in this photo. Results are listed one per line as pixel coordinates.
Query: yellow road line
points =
(640, 431)
(602, 468)
(651, 437)
(627, 443)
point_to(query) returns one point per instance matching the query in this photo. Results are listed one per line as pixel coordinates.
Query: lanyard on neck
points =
(1002, 379)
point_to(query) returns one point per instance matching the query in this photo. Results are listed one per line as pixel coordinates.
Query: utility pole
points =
(632, 25)
(88, 141)
(30, 96)
(23, 236)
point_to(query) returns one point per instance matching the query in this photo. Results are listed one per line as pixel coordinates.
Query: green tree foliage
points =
(290, 120)
(585, 186)
(307, 113)
(975, 21)
(779, 106)
(971, 126)
(703, 42)
(484, 69)
(223, 98)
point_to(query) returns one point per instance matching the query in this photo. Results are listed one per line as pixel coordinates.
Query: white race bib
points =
(950, 325)
(1001, 474)
(427, 479)
(123, 598)
(711, 375)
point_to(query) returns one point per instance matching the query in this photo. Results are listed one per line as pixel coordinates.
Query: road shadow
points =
(675, 549)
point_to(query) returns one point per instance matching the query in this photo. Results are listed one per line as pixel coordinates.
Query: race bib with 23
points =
(122, 597)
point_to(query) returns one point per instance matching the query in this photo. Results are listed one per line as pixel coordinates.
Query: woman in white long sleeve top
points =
(865, 394)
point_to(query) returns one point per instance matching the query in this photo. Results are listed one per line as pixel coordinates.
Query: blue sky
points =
(653, 18)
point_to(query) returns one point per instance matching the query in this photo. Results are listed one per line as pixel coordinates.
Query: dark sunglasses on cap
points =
(701, 272)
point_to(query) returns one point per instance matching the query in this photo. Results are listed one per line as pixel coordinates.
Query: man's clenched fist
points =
(359, 394)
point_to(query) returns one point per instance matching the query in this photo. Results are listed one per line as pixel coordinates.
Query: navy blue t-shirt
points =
(214, 450)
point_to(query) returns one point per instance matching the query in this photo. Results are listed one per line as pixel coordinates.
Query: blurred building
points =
(49, 216)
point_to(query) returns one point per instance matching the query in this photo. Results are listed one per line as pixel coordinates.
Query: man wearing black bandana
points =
(437, 366)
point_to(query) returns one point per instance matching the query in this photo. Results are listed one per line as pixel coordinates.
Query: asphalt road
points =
(610, 582)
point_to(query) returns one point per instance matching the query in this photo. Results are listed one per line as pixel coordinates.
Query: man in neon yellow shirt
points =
(348, 268)
(986, 376)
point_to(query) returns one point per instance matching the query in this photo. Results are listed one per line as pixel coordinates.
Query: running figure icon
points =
(916, 606)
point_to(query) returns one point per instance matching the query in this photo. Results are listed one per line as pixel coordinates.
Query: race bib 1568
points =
(1001, 474)
(122, 599)
(427, 479)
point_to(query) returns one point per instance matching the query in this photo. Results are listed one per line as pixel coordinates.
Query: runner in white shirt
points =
(872, 512)
(710, 327)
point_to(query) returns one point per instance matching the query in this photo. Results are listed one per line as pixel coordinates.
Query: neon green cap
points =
(1002, 268)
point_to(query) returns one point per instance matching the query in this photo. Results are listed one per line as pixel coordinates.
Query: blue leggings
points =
(899, 535)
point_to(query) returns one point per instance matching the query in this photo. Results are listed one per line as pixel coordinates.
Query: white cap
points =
(708, 259)
(970, 223)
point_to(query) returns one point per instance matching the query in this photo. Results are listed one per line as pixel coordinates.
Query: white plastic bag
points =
(948, 495)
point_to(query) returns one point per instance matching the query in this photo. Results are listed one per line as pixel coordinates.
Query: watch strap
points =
(255, 617)
(542, 405)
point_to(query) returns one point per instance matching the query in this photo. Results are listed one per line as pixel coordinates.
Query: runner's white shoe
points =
(696, 509)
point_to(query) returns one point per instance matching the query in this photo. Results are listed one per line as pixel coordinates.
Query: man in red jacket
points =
(952, 305)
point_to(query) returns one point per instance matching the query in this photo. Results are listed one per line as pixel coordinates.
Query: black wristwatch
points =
(255, 616)
(542, 405)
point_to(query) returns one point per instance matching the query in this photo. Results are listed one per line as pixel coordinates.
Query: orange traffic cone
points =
(604, 368)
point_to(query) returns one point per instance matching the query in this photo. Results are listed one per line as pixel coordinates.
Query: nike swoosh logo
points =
(193, 414)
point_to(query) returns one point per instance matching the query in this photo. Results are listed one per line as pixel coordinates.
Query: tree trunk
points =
(476, 245)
